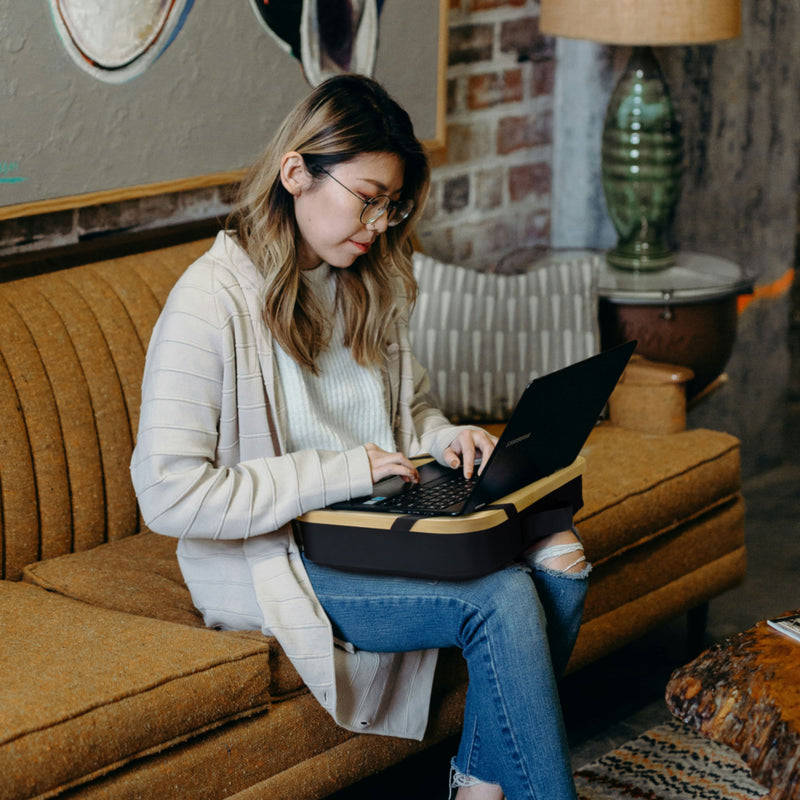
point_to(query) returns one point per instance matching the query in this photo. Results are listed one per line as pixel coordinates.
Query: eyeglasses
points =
(377, 206)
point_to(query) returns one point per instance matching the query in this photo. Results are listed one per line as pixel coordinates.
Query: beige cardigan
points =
(209, 468)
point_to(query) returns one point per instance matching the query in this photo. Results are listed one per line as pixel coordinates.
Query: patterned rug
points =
(669, 762)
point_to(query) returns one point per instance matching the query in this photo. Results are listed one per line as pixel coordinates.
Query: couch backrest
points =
(72, 349)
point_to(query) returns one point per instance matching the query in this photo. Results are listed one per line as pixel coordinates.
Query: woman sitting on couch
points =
(279, 380)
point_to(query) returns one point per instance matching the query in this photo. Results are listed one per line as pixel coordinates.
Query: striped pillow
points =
(483, 336)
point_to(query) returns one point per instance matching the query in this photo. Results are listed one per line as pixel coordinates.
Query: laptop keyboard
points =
(416, 498)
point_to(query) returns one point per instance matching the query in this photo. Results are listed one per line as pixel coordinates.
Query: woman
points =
(279, 380)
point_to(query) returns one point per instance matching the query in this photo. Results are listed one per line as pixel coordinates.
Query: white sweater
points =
(343, 405)
(210, 468)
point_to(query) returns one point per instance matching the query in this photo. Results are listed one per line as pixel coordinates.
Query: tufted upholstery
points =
(73, 347)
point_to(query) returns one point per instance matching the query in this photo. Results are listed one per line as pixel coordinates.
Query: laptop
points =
(545, 433)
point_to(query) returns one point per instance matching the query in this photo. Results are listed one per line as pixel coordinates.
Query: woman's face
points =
(328, 215)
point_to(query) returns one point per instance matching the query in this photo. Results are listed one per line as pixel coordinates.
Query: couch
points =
(111, 685)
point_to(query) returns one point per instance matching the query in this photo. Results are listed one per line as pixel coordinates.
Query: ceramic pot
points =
(698, 335)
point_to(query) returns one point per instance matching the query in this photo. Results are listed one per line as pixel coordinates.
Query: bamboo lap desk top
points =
(446, 547)
(745, 693)
(477, 521)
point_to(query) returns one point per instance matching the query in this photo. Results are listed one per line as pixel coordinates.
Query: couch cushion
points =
(660, 560)
(663, 524)
(140, 575)
(86, 690)
(484, 336)
(639, 486)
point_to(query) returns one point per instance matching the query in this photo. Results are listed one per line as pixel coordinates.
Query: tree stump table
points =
(745, 693)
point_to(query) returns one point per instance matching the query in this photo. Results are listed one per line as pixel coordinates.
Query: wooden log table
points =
(745, 693)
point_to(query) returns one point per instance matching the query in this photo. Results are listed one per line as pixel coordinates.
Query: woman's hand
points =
(463, 449)
(385, 465)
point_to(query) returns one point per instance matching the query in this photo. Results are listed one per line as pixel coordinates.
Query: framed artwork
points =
(108, 100)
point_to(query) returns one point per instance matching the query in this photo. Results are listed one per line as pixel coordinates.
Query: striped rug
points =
(669, 762)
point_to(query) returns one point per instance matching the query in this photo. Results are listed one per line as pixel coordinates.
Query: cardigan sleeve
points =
(204, 403)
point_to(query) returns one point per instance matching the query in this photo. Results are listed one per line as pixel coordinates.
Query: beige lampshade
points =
(642, 22)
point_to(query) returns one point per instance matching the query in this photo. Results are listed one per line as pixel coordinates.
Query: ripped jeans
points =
(516, 628)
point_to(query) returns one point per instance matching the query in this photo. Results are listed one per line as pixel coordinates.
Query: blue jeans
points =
(515, 627)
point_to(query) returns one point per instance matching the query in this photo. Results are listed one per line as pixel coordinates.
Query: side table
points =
(685, 315)
(745, 693)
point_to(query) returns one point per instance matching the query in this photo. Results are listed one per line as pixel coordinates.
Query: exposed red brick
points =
(438, 157)
(522, 37)
(456, 193)
(490, 89)
(517, 133)
(489, 188)
(537, 228)
(528, 179)
(491, 238)
(431, 206)
(452, 95)
(470, 43)
(483, 5)
(438, 241)
(463, 247)
(544, 73)
(468, 142)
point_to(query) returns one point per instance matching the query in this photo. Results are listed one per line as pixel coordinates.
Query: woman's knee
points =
(508, 594)
(560, 552)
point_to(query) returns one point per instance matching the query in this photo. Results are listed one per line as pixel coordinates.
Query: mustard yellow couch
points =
(111, 686)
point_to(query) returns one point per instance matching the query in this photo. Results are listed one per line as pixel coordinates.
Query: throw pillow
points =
(483, 337)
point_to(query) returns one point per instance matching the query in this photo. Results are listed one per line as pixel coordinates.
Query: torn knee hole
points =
(557, 556)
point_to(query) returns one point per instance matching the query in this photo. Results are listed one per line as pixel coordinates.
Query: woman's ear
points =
(295, 176)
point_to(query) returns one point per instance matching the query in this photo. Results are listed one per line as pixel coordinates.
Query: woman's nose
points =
(379, 225)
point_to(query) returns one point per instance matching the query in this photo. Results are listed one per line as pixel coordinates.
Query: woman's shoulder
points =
(224, 266)
(219, 286)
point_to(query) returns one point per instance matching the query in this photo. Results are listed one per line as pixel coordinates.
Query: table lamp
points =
(642, 150)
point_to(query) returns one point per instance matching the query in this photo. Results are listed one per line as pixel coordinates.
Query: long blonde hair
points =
(342, 118)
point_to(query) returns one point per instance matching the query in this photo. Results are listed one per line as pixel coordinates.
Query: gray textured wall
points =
(738, 102)
(209, 104)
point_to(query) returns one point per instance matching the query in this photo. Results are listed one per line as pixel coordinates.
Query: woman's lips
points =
(362, 247)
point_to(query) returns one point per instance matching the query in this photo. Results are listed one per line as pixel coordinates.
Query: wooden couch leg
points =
(697, 619)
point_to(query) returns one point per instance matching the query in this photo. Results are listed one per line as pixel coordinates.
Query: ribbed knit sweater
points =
(343, 406)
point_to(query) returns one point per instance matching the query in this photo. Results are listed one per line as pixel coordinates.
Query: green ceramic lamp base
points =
(641, 169)
(633, 258)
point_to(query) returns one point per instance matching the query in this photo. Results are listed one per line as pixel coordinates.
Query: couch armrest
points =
(650, 397)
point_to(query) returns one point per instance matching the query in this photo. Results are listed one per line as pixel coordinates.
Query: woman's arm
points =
(198, 467)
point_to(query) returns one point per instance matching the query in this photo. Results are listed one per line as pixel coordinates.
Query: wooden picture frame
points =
(80, 142)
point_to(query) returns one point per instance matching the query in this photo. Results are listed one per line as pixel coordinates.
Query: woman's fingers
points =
(385, 465)
(466, 446)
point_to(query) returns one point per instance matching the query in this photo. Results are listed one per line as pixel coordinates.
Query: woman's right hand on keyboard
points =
(385, 465)
(464, 450)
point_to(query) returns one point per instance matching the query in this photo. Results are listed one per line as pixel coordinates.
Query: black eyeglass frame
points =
(389, 209)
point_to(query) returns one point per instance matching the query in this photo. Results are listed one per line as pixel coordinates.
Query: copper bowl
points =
(696, 335)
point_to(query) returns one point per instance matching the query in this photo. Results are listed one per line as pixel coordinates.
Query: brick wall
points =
(490, 197)
(491, 190)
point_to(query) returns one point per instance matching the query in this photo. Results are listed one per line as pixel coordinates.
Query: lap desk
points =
(443, 548)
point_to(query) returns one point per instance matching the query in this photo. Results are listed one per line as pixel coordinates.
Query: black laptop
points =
(545, 433)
